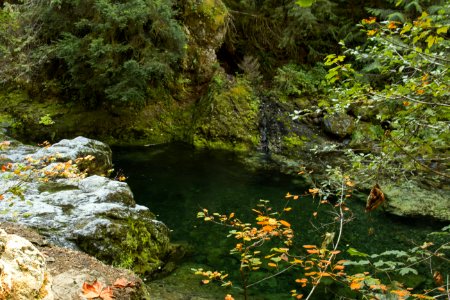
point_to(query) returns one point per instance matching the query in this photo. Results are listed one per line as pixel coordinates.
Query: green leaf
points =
(305, 3)
(357, 263)
(406, 270)
(354, 252)
(397, 253)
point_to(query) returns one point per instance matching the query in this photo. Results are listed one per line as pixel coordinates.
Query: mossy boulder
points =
(339, 125)
(205, 24)
(227, 117)
(409, 199)
(94, 213)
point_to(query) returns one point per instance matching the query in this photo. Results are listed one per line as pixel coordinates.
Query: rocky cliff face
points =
(52, 190)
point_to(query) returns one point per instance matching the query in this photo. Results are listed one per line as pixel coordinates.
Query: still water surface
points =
(176, 181)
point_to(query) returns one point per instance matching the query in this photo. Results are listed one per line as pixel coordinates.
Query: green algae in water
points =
(176, 181)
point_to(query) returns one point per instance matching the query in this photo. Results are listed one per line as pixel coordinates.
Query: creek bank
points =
(74, 208)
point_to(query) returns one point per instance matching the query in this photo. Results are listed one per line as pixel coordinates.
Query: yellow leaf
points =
(272, 265)
(295, 197)
(231, 215)
(315, 214)
(442, 30)
(314, 191)
(288, 195)
(287, 209)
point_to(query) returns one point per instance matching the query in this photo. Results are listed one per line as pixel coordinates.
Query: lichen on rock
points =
(23, 270)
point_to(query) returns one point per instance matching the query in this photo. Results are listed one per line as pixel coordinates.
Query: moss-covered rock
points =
(409, 199)
(339, 125)
(94, 213)
(137, 242)
(205, 23)
(227, 117)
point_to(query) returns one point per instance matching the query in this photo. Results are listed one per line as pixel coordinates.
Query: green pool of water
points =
(176, 181)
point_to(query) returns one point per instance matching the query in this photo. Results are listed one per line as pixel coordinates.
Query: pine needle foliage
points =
(104, 51)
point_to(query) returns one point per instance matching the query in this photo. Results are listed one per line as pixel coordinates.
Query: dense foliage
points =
(99, 50)
(279, 32)
(399, 81)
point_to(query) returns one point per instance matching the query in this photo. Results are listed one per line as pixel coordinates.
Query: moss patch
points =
(227, 117)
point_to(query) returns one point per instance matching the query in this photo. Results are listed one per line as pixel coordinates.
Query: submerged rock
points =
(23, 270)
(95, 214)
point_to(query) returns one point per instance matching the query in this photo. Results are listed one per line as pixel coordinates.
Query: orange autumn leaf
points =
(107, 294)
(370, 20)
(338, 267)
(299, 296)
(283, 222)
(1, 197)
(295, 197)
(313, 191)
(392, 25)
(272, 265)
(313, 251)
(205, 281)
(309, 246)
(401, 293)
(420, 92)
(355, 285)
(228, 297)
(96, 290)
(231, 216)
(123, 283)
(350, 184)
(315, 214)
(268, 228)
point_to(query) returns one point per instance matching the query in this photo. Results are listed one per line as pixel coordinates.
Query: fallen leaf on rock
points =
(96, 290)
(123, 283)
